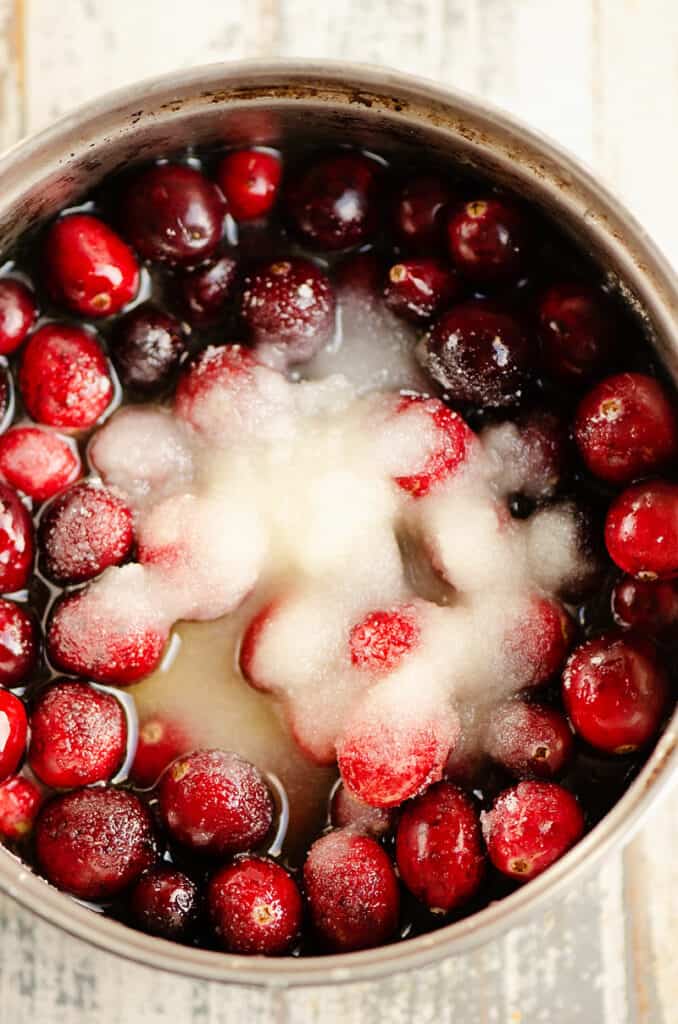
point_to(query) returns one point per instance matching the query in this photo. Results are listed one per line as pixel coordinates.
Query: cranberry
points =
(38, 462)
(347, 812)
(250, 645)
(439, 848)
(82, 532)
(88, 267)
(334, 203)
(204, 292)
(352, 891)
(64, 377)
(160, 741)
(644, 605)
(454, 441)
(379, 642)
(418, 289)
(171, 213)
(18, 643)
(249, 179)
(147, 348)
(544, 441)
(17, 547)
(529, 739)
(94, 843)
(641, 530)
(530, 826)
(490, 241)
(6, 395)
(576, 328)
(255, 907)
(615, 692)
(78, 735)
(165, 902)
(18, 313)
(479, 355)
(418, 211)
(289, 308)
(539, 641)
(13, 733)
(360, 274)
(20, 801)
(214, 802)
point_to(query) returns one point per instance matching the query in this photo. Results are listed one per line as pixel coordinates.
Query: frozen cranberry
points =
(165, 902)
(171, 213)
(64, 377)
(615, 692)
(148, 345)
(539, 641)
(250, 645)
(418, 289)
(249, 179)
(255, 907)
(644, 605)
(38, 462)
(641, 530)
(419, 210)
(479, 355)
(214, 802)
(544, 442)
(82, 532)
(160, 741)
(88, 267)
(13, 733)
(530, 826)
(529, 739)
(490, 241)
(204, 292)
(352, 892)
(381, 640)
(18, 313)
(347, 812)
(17, 547)
(20, 801)
(94, 843)
(18, 644)
(576, 328)
(439, 848)
(334, 203)
(453, 443)
(78, 735)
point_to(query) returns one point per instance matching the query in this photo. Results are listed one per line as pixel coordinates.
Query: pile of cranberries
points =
(107, 304)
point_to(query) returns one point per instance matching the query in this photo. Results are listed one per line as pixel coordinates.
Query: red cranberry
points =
(490, 241)
(17, 547)
(20, 801)
(13, 733)
(18, 313)
(255, 907)
(147, 348)
(577, 330)
(6, 395)
(38, 462)
(641, 530)
(165, 902)
(480, 356)
(18, 643)
(82, 532)
(544, 441)
(171, 213)
(249, 646)
(381, 640)
(88, 267)
(249, 179)
(529, 739)
(646, 606)
(540, 641)
(334, 203)
(439, 848)
(289, 308)
(347, 812)
(78, 735)
(454, 441)
(214, 802)
(418, 289)
(419, 209)
(204, 292)
(352, 892)
(160, 741)
(615, 692)
(64, 377)
(94, 843)
(530, 826)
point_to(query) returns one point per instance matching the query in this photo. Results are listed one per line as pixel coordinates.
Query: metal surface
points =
(385, 111)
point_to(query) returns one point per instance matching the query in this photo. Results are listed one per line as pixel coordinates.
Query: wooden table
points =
(602, 77)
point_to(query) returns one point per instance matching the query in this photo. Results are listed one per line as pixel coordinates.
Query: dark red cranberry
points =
(480, 356)
(18, 644)
(82, 532)
(361, 274)
(641, 530)
(352, 891)
(615, 692)
(540, 640)
(17, 547)
(382, 639)
(171, 213)
(419, 210)
(418, 289)
(490, 241)
(78, 735)
(214, 802)
(6, 394)
(165, 902)
(545, 444)
(439, 848)
(147, 348)
(64, 377)
(334, 203)
(576, 328)
(160, 741)
(646, 606)
(13, 733)
(453, 442)
(18, 313)
(205, 292)
(348, 812)
(94, 843)
(529, 739)
(20, 801)
(38, 462)
(249, 179)
(88, 267)
(255, 907)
